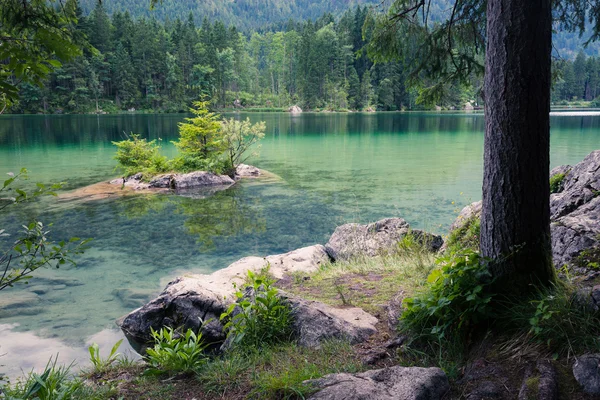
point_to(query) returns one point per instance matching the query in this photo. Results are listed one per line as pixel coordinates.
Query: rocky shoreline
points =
(188, 301)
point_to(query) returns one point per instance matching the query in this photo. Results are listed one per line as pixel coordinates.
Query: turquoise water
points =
(334, 168)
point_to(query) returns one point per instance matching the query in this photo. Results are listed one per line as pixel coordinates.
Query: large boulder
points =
(295, 110)
(394, 383)
(379, 238)
(191, 300)
(587, 373)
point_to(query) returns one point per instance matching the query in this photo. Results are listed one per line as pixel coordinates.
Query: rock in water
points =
(394, 383)
(187, 301)
(295, 110)
(587, 373)
(247, 171)
(379, 238)
(200, 178)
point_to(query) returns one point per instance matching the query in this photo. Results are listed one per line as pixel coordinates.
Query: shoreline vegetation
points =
(578, 106)
(537, 346)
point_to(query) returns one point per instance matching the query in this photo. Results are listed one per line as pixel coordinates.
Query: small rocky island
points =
(195, 184)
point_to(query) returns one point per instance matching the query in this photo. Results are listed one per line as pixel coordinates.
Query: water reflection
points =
(22, 352)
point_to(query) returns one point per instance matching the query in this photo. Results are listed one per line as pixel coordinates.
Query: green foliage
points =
(556, 182)
(54, 383)
(589, 258)
(31, 249)
(201, 141)
(456, 299)
(465, 237)
(36, 36)
(102, 364)
(558, 319)
(259, 320)
(239, 137)
(136, 155)
(175, 353)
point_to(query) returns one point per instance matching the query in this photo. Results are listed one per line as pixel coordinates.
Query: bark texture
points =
(515, 223)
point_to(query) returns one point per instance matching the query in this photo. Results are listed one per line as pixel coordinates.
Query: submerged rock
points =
(247, 171)
(188, 301)
(19, 303)
(379, 238)
(394, 383)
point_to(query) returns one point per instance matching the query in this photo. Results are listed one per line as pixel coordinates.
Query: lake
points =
(334, 168)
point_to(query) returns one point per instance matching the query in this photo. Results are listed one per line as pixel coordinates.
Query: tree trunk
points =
(515, 222)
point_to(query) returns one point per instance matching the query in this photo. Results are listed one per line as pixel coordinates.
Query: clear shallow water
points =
(335, 168)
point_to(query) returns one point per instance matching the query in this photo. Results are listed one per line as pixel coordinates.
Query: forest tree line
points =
(144, 64)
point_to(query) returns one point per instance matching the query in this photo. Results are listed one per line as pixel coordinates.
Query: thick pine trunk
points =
(515, 223)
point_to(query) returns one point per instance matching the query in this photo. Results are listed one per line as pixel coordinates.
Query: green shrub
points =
(136, 155)
(258, 321)
(556, 182)
(200, 143)
(174, 353)
(457, 298)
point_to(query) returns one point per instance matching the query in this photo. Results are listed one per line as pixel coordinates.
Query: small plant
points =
(137, 155)
(456, 299)
(260, 320)
(589, 258)
(556, 182)
(465, 237)
(100, 364)
(174, 353)
(54, 383)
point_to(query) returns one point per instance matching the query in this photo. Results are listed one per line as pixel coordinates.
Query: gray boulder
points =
(188, 301)
(379, 238)
(199, 179)
(315, 322)
(587, 373)
(394, 383)
(295, 110)
(162, 181)
(575, 212)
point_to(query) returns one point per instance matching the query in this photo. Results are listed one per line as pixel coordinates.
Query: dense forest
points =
(144, 64)
(244, 14)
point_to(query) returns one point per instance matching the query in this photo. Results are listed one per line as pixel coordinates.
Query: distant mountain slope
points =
(242, 13)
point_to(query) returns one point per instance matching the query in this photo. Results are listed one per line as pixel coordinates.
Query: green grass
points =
(368, 282)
